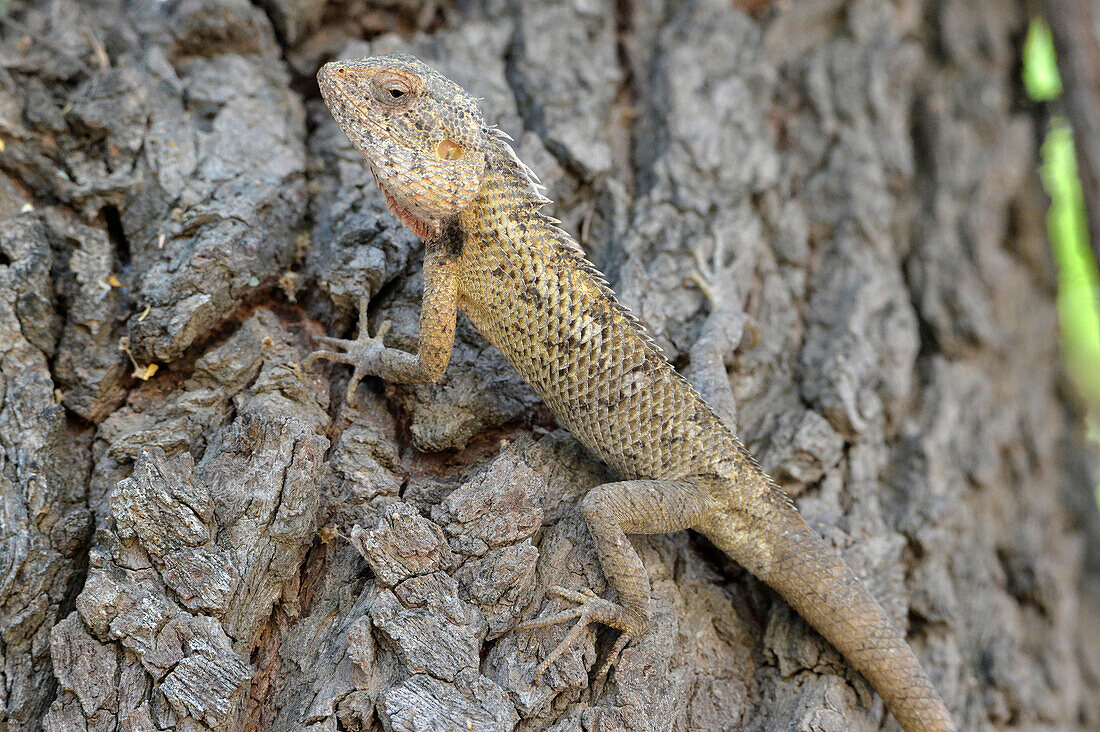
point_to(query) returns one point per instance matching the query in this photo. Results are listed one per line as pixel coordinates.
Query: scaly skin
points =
(526, 285)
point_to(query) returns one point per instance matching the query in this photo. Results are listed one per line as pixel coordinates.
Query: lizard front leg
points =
(612, 511)
(368, 356)
(721, 333)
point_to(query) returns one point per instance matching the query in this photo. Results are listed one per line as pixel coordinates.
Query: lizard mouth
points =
(353, 112)
(368, 137)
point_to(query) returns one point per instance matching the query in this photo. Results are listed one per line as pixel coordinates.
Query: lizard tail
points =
(783, 551)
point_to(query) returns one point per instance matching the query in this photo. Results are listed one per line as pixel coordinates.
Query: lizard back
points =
(527, 287)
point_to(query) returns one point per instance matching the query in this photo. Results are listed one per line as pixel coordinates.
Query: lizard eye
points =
(394, 88)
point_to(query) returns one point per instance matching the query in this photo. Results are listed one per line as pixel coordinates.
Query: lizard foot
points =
(707, 275)
(358, 353)
(715, 279)
(590, 608)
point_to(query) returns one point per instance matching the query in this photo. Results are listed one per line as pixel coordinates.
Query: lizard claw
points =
(590, 608)
(707, 275)
(605, 668)
(715, 279)
(358, 353)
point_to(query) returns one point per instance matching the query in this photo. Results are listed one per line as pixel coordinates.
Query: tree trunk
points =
(196, 534)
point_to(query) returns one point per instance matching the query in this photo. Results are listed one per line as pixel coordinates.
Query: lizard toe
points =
(590, 608)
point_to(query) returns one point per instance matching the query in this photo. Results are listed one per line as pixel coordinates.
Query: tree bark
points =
(221, 543)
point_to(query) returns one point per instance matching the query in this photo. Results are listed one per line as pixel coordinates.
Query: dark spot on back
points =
(530, 294)
(451, 240)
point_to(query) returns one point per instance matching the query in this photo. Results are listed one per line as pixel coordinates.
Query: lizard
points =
(527, 286)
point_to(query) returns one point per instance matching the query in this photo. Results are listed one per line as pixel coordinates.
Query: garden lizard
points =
(527, 286)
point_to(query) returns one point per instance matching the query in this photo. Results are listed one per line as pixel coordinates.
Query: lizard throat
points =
(424, 228)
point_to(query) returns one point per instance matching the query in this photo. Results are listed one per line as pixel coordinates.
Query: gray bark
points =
(226, 545)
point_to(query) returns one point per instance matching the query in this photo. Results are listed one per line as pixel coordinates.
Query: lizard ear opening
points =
(449, 150)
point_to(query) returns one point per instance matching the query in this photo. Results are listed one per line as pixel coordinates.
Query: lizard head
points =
(423, 136)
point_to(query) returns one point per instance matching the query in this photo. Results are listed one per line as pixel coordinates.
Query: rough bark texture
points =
(227, 545)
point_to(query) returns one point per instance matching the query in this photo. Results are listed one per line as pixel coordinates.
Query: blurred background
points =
(1068, 227)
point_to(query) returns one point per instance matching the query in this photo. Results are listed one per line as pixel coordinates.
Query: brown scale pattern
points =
(563, 330)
